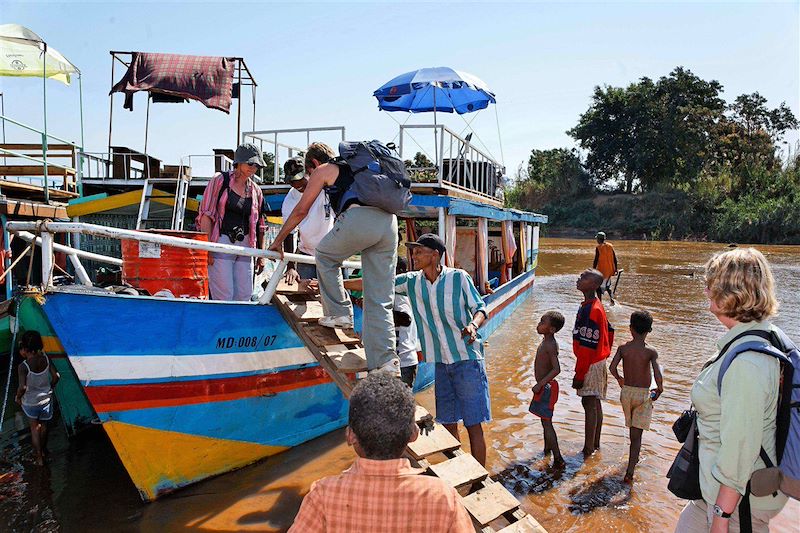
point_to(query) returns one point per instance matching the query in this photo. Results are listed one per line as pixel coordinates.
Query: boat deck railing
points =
(44, 231)
(450, 161)
(34, 163)
(283, 144)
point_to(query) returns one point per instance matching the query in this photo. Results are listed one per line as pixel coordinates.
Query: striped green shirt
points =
(442, 309)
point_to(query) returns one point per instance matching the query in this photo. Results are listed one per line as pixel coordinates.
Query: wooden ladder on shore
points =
(342, 356)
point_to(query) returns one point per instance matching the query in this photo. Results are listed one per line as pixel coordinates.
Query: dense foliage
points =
(670, 159)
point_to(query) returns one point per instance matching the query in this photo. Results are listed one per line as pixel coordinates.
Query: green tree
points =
(559, 170)
(650, 133)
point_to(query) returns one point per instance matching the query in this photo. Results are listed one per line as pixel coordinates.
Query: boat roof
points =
(427, 206)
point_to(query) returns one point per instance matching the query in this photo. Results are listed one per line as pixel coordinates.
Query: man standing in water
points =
(605, 260)
(359, 228)
(592, 338)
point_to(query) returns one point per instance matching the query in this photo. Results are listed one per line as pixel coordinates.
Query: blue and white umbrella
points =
(435, 89)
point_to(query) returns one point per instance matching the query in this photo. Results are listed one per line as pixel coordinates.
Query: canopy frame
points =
(41, 44)
(243, 77)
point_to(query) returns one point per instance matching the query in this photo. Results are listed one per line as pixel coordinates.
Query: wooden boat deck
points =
(342, 356)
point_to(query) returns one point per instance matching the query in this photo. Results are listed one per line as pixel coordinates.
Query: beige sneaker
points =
(392, 367)
(341, 322)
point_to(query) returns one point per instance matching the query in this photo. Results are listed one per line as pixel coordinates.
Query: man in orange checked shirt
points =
(381, 491)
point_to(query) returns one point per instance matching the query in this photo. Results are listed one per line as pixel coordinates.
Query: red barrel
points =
(154, 267)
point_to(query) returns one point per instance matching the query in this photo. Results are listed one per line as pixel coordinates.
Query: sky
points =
(317, 64)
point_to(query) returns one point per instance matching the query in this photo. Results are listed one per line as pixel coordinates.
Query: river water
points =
(85, 487)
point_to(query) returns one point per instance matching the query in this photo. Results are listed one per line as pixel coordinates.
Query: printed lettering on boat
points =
(150, 250)
(246, 342)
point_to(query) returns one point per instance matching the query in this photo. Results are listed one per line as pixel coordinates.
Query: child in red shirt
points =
(592, 338)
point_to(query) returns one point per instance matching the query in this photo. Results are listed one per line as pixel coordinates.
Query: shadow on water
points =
(540, 475)
(606, 490)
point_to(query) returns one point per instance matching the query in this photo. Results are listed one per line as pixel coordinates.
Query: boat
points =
(189, 388)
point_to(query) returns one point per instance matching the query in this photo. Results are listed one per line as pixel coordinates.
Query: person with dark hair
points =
(230, 213)
(592, 338)
(636, 397)
(381, 491)
(312, 229)
(408, 348)
(37, 379)
(358, 228)
(605, 261)
(545, 393)
(448, 311)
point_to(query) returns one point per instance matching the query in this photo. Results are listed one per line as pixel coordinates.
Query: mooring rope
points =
(10, 369)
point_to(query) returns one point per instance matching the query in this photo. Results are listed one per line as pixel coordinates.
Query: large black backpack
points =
(379, 177)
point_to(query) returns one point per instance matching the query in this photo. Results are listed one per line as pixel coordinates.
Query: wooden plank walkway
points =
(342, 356)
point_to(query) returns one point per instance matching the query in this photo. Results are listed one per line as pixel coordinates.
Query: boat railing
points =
(454, 162)
(275, 142)
(45, 172)
(43, 232)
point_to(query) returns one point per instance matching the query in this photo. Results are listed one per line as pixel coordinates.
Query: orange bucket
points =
(154, 267)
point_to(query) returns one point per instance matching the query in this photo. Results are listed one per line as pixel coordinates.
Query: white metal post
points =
(272, 286)
(47, 259)
(80, 272)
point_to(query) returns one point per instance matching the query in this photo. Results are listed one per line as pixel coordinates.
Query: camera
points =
(236, 234)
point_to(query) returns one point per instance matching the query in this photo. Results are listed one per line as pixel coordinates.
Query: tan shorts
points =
(637, 406)
(595, 382)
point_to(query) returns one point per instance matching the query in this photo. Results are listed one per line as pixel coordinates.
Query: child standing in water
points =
(37, 378)
(636, 397)
(545, 392)
(592, 338)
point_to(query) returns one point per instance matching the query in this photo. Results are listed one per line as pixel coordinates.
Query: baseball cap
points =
(429, 240)
(248, 153)
(601, 234)
(293, 169)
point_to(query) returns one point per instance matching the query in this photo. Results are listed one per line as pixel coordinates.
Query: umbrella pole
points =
(83, 145)
(44, 135)
(435, 142)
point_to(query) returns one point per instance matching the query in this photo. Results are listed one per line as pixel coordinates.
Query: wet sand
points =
(85, 487)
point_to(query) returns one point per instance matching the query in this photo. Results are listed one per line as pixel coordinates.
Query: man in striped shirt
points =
(448, 311)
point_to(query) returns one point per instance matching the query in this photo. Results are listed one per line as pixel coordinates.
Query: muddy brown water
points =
(85, 487)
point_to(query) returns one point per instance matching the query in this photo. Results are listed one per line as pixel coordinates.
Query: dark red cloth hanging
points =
(206, 79)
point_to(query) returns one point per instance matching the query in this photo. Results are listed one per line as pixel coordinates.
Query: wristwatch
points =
(720, 513)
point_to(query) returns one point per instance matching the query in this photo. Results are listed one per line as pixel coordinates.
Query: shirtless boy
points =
(545, 392)
(636, 397)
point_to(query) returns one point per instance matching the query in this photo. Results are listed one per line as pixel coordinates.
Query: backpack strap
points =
(226, 184)
(750, 346)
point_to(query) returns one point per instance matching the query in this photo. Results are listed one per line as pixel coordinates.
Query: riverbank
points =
(672, 216)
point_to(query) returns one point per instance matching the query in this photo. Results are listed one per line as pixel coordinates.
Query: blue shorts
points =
(462, 393)
(39, 412)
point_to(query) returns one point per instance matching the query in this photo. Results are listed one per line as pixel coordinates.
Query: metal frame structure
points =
(46, 230)
(244, 78)
(271, 138)
(462, 155)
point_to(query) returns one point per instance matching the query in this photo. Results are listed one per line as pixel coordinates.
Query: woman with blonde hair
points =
(737, 420)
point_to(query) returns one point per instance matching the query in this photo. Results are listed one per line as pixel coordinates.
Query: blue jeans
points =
(462, 393)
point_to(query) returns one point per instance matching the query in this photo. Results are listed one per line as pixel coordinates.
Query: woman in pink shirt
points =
(230, 214)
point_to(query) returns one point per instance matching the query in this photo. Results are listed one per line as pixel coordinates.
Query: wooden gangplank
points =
(436, 450)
